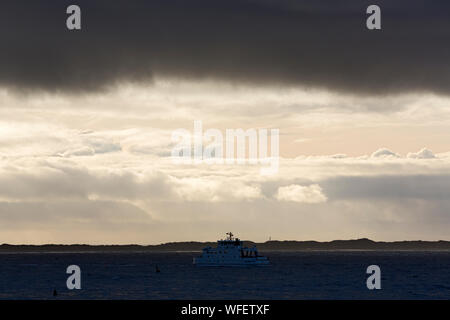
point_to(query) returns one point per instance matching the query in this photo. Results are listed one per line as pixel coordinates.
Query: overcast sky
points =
(86, 119)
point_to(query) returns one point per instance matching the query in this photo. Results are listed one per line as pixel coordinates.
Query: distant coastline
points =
(358, 244)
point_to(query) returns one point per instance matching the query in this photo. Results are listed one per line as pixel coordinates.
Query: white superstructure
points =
(230, 252)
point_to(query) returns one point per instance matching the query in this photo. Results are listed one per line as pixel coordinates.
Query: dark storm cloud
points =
(309, 43)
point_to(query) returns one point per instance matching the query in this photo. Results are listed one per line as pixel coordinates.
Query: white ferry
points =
(230, 252)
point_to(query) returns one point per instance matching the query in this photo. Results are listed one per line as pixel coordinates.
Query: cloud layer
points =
(302, 194)
(56, 199)
(300, 43)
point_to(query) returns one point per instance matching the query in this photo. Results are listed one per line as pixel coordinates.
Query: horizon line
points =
(208, 241)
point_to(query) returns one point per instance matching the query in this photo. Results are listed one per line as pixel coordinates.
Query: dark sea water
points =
(299, 275)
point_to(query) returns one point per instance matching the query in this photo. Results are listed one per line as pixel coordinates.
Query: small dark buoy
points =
(157, 269)
(55, 293)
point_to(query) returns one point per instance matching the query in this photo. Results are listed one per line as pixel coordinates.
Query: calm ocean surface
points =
(299, 275)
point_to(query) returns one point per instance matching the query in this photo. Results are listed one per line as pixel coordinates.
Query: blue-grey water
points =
(293, 275)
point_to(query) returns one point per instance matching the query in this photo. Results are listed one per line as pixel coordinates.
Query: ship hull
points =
(238, 263)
